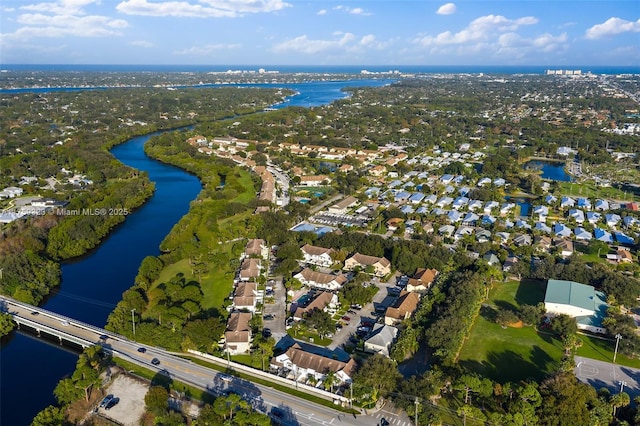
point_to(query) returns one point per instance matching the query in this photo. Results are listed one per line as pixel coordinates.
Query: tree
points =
(621, 399)
(564, 325)
(565, 401)
(157, 400)
(50, 416)
(6, 324)
(320, 321)
(379, 374)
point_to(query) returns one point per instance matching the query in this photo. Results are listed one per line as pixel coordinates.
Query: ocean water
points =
(328, 69)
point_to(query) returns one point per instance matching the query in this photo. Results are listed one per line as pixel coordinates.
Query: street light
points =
(615, 352)
(622, 385)
(133, 322)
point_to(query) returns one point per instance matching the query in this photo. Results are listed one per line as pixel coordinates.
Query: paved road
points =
(601, 374)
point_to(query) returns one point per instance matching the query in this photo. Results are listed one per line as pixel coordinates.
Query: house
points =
(542, 227)
(462, 231)
(422, 280)
(394, 223)
(324, 301)
(238, 333)
(612, 219)
(491, 259)
(582, 234)
(381, 339)
(316, 279)
(470, 218)
(342, 206)
(256, 248)
(522, 240)
(244, 296)
(509, 263)
(431, 199)
(561, 230)
(488, 220)
(459, 203)
(504, 237)
(446, 230)
(566, 202)
(381, 266)
(542, 243)
(499, 182)
(601, 205)
(564, 246)
(250, 269)
(11, 192)
(484, 181)
(490, 206)
(302, 364)
(550, 199)
(624, 256)
(603, 235)
(623, 238)
(474, 205)
(542, 212)
(311, 181)
(630, 221)
(317, 255)
(402, 308)
(454, 216)
(416, 198)
(593, 217)
(579, 301)
(577, 215)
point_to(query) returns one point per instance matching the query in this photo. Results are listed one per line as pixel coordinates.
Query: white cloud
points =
(63, 18)
(480, 29)
(142, 43)
(322, 12)
(201, 9)
(353, 10)
(206, 50)
(343, 43)
(447, 9)
(611, 27)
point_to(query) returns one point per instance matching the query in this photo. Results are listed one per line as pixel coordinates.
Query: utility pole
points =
(622, 385)
(417, 403)
(351, 394)
(615, 352)
(133, 322)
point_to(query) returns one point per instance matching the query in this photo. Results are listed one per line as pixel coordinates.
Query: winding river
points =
(92, 285)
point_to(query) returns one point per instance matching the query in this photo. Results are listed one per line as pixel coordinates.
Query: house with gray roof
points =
(582, 234)
(381, 339)
(603, 235)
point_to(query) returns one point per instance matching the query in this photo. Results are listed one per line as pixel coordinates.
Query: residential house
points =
(256, 248)
(593, 217)
(491, 259)
(238, 333)
(582, 234)
(612, 219)
(317, 255)
(245, 296)
(577, 215)
(566, 202)
(564, 246)
(381, 339)
(302, 364)
(381, 266)
(324, 301)
(603, 235)
(542, 227)
(561, 230)
(316, 279)
(250, 269)
(403, 308)
(312, 181)
(342, 206)
(623, 238)
(509, 263)
(542, 243)
(522, 240)
(601, 205)
(11, 192)
(422, 280)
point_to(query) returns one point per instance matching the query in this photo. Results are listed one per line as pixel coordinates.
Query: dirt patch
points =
(518, 324)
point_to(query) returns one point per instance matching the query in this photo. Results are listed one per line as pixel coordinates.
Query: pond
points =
(550, 170)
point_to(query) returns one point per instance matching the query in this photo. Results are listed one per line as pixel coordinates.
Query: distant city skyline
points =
(279, 32)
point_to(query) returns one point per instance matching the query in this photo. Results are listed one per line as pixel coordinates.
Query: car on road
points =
(142, 350)
(107, 399)
(266, 332)
(338, 326)
(35, 313)
(65, 323)
(269, 317)
(112, 403)
(225, 377)
(155, 361)
(104, 337)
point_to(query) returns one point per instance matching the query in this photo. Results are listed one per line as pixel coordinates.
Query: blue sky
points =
(319, 32)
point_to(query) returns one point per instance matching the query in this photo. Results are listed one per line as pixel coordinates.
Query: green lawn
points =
(510, 354)
(602, 350)
(591, 190)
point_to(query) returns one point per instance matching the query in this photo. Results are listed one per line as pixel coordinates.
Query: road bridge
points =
(262, 397)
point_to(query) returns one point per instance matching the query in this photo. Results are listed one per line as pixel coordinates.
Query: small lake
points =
(550, 170)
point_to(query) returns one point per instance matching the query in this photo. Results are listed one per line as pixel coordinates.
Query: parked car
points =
(269, 317)
(112, 403)
(106, 400)
(346, 318)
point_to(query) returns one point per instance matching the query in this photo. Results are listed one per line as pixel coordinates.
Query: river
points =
(93, 284)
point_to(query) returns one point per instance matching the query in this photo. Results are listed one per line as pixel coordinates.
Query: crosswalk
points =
(392, 420)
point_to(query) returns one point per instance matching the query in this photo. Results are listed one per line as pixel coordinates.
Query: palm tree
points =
(330, 380)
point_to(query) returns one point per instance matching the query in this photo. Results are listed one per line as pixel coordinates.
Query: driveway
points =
(278, 309)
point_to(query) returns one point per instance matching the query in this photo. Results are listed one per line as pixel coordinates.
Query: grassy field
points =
(591, 190)
(602, 350)
(510, 354)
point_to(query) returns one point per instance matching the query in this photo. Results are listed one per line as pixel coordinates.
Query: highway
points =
(297, 411)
